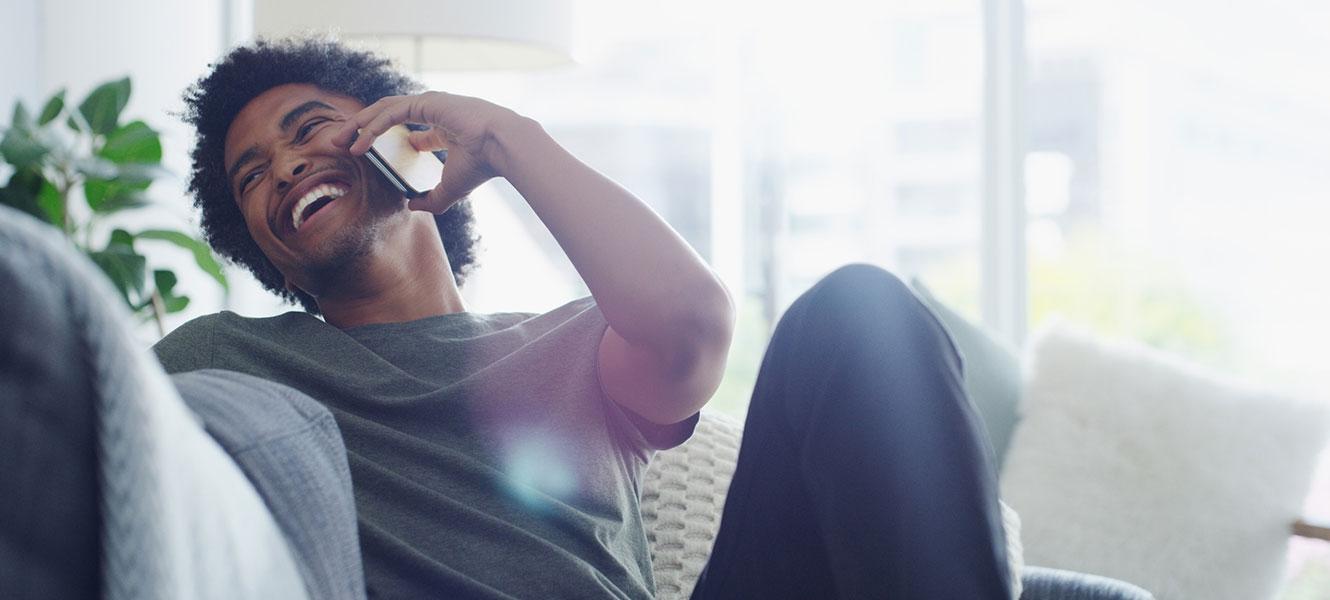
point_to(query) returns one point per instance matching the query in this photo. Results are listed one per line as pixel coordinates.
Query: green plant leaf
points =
(51, 205)
(121, 237)
(106, 197)
(21, 148)
(96, 191)
(175, 304)
(125, 268)
(52, 108)
(125, 190)
(165, 281)
(21, 118)
(132, 143)
(31, 193)
(22, 192)
(202, 255)
(103, 105)
(20, 201)
(96, 167)
(120, 198)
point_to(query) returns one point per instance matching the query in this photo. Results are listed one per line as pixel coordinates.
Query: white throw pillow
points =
(1136, 465)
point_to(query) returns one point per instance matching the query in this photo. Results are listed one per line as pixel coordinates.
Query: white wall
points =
(163, 45)
(18, 55)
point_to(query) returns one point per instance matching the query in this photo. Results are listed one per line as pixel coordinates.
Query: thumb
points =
(436, 201)
(427, 140)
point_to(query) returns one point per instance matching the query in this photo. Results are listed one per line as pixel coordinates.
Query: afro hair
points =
(213, 101)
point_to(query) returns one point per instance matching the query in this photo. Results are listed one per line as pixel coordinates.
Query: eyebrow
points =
(287, 121)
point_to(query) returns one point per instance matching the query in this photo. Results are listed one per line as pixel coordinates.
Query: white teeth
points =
(327, 189)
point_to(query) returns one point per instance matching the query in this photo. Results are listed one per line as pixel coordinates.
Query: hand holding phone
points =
(469, 124)
(413, 172)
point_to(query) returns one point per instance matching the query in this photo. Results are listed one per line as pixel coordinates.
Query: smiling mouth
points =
(314, 201)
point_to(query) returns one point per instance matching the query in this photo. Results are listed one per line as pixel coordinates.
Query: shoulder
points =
(579, 318)
(192, 345)
(582, 309)
(185, 348)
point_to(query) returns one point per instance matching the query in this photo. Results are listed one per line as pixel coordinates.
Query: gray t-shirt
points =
(487, 461)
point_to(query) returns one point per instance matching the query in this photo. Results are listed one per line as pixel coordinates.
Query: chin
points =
(338, 256)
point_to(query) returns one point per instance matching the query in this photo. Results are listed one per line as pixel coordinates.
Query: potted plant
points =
(75, 168)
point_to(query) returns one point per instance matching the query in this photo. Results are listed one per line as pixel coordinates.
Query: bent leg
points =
(863, 472)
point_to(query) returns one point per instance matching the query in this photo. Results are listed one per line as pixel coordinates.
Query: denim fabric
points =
(862, 472)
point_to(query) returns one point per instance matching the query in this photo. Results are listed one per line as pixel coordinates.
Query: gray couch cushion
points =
(177, 517)
(289, 447)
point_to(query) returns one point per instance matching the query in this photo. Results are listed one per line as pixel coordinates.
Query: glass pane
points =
(1177, 179)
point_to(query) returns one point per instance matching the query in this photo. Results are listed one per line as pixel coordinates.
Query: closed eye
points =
(308, 127)
(301, 134)
(244, 183)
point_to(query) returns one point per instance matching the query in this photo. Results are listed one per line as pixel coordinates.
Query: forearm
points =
(651, 286)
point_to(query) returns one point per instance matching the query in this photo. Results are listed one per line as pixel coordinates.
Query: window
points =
(780, 142)
(1174, 180)
(1176, 184)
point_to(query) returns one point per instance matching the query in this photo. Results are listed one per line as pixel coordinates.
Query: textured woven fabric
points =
(1042, 583)
(683, 495)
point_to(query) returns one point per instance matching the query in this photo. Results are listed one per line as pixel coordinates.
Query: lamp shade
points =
(435, 35)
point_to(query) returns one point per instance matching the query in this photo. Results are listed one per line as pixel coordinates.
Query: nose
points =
(290, 171)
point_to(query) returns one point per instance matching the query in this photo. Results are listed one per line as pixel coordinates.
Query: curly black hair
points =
(212, 102)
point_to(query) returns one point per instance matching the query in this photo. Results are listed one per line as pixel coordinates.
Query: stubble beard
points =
(339, 257)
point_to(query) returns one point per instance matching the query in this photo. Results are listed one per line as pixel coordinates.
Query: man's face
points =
(311, 207)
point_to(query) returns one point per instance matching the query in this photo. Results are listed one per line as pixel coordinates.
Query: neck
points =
(404, 278)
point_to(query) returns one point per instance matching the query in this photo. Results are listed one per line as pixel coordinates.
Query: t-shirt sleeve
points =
(653, 435)
(188, 348)
(641, 435)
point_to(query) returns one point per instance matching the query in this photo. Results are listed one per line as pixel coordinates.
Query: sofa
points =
(193, 501)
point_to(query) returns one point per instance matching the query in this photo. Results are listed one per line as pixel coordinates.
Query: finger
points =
(402, 109)
(394, 113)
(364, 127)
(349, 128)
(428, 140)
(457, 182)
(436, 201)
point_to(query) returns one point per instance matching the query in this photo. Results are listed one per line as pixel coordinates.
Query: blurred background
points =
(1156, 170)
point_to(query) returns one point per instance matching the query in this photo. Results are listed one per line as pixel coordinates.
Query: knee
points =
(865, 300)
(864, 290)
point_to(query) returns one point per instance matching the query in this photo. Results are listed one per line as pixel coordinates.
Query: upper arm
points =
(663, 387)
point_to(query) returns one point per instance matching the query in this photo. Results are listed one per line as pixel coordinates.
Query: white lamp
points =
(435, 35)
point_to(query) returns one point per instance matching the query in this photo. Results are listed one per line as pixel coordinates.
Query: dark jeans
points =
(863, 472)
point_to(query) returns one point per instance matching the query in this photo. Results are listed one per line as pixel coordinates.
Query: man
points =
(500, 456)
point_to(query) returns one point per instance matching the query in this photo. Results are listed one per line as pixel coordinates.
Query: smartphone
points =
(412, 172)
